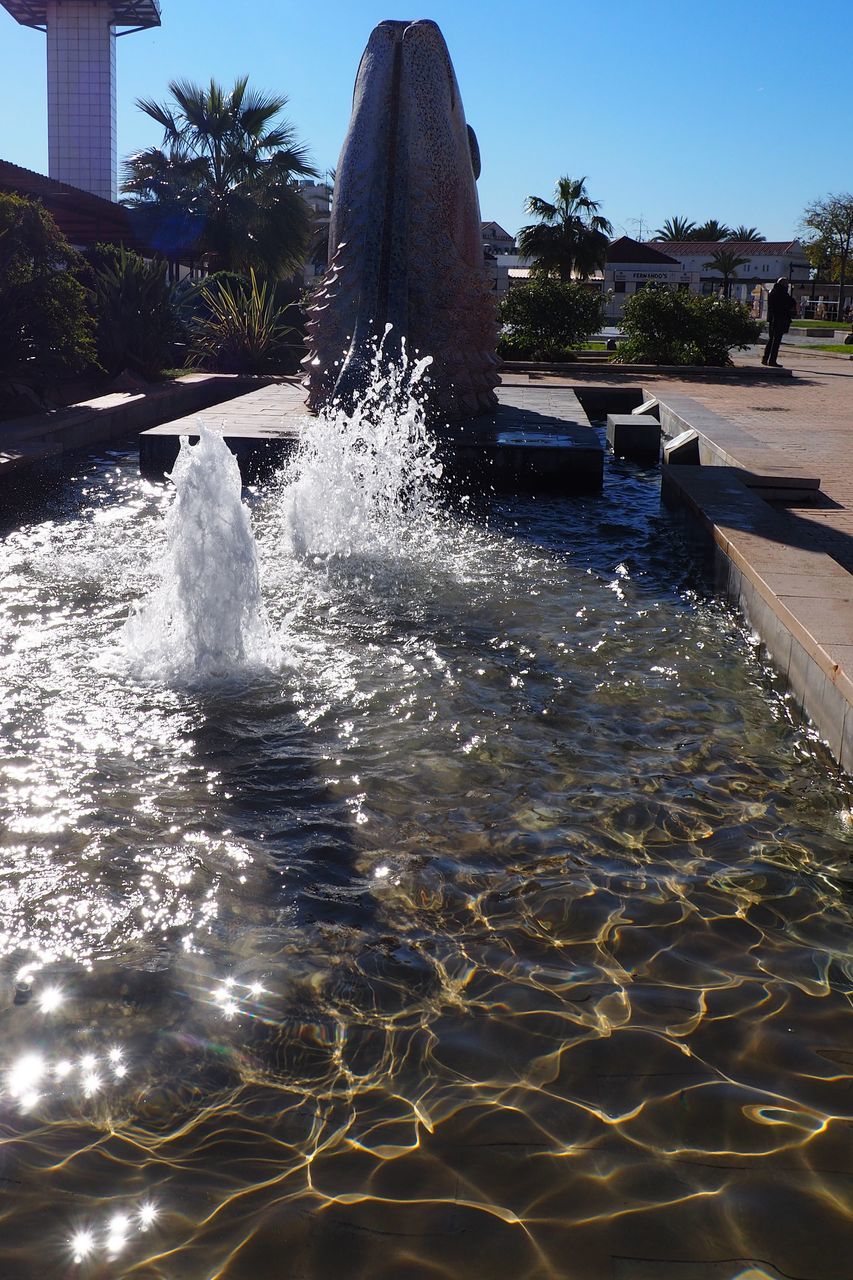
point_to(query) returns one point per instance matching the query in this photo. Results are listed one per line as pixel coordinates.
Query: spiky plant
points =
(241, 328)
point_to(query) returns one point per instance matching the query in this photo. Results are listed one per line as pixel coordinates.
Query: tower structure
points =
(81, 82)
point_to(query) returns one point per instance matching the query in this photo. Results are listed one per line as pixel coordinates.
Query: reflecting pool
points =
(501, 927)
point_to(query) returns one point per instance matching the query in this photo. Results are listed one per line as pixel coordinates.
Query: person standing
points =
(780, 312)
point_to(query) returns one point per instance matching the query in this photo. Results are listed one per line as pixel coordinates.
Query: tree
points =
(711, 230)
(570, 236)
(223, 182)
(831, 221)
(45, 328)
(726, 261)
(676, 229)
(745, 233)
(545, 318)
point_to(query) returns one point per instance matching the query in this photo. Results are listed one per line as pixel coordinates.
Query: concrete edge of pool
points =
(797, 599)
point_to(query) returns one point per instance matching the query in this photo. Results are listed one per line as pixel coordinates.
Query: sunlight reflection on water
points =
(513, 918)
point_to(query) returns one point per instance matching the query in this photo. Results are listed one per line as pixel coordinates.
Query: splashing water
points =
(363, 483)
(206, 617)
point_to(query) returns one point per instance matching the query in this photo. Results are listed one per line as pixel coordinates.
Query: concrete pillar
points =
(81, 95)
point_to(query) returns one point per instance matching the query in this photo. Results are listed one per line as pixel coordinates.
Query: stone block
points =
(632, 435)
(650, 406)
(683, 449)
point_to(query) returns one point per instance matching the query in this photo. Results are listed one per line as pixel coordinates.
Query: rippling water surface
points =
(502, 929)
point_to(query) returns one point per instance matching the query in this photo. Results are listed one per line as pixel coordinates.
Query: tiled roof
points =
(84, 219)
(497, 227)
(751, 248)
(627, 250)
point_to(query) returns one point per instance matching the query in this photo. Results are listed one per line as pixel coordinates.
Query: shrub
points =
(135, 314)
(546, 319)
(45, 329)
(664, 327)
(190, 293)
(240, 328)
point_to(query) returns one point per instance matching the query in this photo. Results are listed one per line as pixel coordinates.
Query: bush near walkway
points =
(136, 319)
(664, 327)
(45, 329)
(241, 328)
(547, 319)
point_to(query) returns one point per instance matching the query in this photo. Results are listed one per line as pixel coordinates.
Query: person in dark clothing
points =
(780, 311)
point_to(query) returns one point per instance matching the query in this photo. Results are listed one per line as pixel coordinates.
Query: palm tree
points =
(745, 233)
(726, 262)
(223, 182)
(711, 230)
(676, 229)
(570, 236)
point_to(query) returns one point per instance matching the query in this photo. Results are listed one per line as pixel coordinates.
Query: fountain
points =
(408, 889)
(405, 244)
(206, 617)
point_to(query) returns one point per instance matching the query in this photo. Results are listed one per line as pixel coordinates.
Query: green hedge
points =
(45, 328)
(665, 327)
(547, 319)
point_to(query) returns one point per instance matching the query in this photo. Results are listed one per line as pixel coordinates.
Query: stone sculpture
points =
(405, 238)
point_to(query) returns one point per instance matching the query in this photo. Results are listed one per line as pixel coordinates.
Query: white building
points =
(497, 239)
(682, 264)
(81, 82)
(766, 261)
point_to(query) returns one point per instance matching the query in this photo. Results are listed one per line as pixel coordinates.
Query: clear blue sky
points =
(734, 110)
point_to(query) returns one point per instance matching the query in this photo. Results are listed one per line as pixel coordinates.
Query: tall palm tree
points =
(676, 229)
(223, 183)
(711, 230)
(726, 262)
(745, 233)
(570, 236)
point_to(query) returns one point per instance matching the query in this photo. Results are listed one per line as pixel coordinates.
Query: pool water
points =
(500, 927)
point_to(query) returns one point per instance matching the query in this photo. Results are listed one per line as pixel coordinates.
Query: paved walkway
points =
(809, 419)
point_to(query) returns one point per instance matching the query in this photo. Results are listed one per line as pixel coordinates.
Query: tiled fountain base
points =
(539, 438)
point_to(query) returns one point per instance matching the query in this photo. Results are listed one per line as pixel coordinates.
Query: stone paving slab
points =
(799, 600)
(728, 444)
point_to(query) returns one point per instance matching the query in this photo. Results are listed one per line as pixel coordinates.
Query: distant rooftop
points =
(627, 250)
(83, 218)
(752, 248)
(126, 13)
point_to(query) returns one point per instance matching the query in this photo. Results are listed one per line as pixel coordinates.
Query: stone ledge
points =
(28, 442)
(727, 444)
(799, 601)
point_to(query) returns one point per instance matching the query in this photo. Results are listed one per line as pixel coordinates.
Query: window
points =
(619, 286)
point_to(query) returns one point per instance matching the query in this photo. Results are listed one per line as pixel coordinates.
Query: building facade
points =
(766, 261)
(630, 266)
(683, 264)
